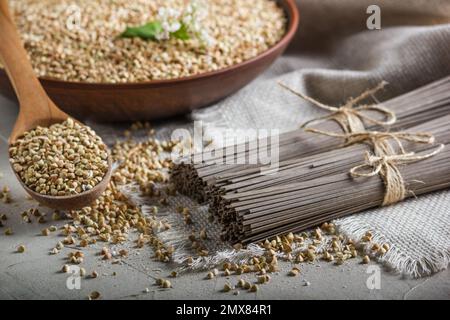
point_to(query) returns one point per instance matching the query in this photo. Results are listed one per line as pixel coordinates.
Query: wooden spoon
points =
(36, 109)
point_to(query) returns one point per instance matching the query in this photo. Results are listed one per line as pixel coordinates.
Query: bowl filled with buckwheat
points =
(148, 59)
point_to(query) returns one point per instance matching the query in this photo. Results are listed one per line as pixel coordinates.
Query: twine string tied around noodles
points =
(385, 160)
(387, 157)
(350, 116)
(386, 166)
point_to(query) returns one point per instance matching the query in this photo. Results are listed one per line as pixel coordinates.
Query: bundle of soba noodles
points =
(337, 168)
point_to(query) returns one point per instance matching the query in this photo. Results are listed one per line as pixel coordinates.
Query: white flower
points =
(191, 17)
(189, 9)
(187, 19)
(165, 25)
(162, 12)
(168, 15)
(172, 13)
(174, 27)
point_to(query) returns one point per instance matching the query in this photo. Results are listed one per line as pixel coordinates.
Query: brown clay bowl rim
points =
(293, 16)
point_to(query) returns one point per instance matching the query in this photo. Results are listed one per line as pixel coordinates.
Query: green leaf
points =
(182, 33)
(147, 31)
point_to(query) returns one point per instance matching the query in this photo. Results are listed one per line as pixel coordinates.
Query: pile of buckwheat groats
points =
(79, 40)
(64, 159)
(114, 220)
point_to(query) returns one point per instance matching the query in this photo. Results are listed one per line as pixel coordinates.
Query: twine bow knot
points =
(387, 167)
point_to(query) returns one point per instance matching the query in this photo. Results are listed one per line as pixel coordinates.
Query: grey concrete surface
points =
(36, 275)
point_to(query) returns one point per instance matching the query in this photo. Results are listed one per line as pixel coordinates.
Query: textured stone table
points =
(36, 275)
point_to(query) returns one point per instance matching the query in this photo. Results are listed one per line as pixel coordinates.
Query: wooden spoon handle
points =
(15, 60)
(36, 108)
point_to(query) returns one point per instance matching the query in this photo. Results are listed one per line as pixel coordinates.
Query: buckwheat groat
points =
(64, 159)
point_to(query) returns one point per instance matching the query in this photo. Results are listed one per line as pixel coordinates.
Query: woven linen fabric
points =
(334, 56)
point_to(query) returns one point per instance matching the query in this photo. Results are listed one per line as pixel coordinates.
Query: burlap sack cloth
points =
(334, 56)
